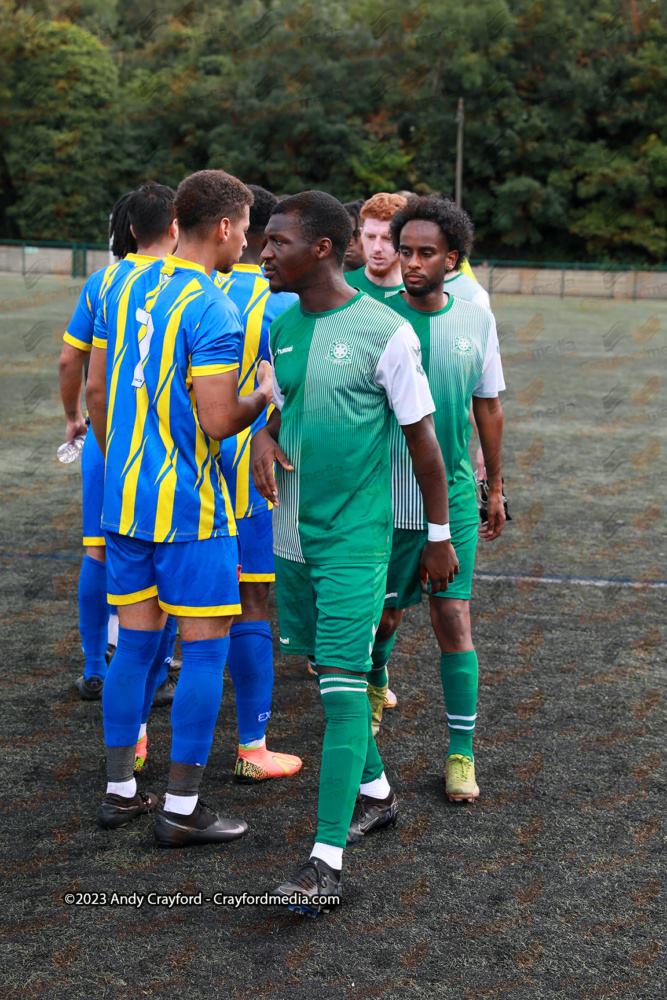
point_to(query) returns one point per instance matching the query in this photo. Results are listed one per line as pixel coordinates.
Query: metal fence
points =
(564, 280)
(501, 278)
(61, 260)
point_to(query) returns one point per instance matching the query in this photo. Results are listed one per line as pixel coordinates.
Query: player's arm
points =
(489, 419)
(70, 372)
(438, 560)
(96, 395)
(402, 377)
(214, 350)
(73, 357)
(222, 413)
(265, 450)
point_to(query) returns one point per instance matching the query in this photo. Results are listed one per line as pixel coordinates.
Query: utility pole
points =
(460, 118)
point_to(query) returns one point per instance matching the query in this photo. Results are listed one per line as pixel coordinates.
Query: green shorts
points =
(403, 580)
(330, 613)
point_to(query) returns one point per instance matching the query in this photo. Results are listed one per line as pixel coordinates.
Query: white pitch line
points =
(576, 580)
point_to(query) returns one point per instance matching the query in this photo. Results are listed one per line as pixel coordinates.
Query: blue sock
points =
(125, 684)
(250, 665)
(93, 615)
(158, 670)
(194, 711)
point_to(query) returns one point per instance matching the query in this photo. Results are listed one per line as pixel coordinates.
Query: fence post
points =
(23, 259)
(74, 260)
(491, 280)
(562, 281)
(84, 261)
(634, 284)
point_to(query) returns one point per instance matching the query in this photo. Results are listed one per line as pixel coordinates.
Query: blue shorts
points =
(92, 471)
(256, 539)
(197, 579)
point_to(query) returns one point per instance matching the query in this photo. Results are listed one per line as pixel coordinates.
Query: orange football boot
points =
(140, 754)
(259, 764)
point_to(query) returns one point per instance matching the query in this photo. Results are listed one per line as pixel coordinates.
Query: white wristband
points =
(439, 532)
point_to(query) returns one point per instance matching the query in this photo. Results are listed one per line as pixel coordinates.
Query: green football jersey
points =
(461, 356)
(338, 375)
(358, 279)
(465, 287)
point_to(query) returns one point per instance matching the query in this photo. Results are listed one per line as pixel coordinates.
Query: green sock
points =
(381, 652)
(459, 685)
(344, 752)
(373, 768)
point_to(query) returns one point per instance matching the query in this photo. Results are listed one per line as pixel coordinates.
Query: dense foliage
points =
(566, 112)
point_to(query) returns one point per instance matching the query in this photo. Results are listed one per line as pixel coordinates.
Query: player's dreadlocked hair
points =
(456, 225)
(206, 197)
(319, 214)
(261, 208)
(122, 240)
(353, 208)
(151, 211)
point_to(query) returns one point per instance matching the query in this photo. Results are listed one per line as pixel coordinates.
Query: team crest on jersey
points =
(462, 345)
(340, 352)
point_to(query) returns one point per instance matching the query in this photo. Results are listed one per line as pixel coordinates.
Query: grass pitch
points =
(550, 886)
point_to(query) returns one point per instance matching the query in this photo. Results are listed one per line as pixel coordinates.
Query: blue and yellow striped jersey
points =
(161, 324)
(249, 290)
(79, 331)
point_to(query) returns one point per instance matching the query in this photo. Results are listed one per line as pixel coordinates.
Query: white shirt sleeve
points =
(481, 298)
(492, 380)
(278, 398)
(401, 375)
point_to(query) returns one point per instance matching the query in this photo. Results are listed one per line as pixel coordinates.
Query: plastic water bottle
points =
(71, 450)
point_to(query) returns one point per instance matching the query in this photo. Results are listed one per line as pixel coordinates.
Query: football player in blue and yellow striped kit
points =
(162, 392)
(142, 230)
(250, 659)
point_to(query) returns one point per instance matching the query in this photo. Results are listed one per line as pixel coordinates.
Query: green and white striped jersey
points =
(465, 287)
(359, 279)
(338, 375)
(461, 356)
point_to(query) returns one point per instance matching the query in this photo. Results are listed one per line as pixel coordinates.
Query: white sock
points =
(112, 631)
(377, 789)
(128, 789)
(254, 744)
(182, 804)
(142, 731)
(333, 856)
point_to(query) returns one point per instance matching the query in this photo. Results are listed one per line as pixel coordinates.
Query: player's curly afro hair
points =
(206, 197)
(456, 225)
(261, 208)
(319, 214)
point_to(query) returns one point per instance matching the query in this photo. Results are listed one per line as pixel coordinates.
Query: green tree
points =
(56, 130)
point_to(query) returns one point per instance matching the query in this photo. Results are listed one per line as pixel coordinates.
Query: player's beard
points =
(379, 272)
(419, 291)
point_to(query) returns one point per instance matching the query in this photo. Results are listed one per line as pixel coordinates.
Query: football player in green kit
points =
(461, 357)
(380, 276)
(343, 364)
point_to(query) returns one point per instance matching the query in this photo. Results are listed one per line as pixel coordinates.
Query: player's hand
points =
(493, 527)
(264, 451)
(265, 380)
(74, 428)
(438, 564)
